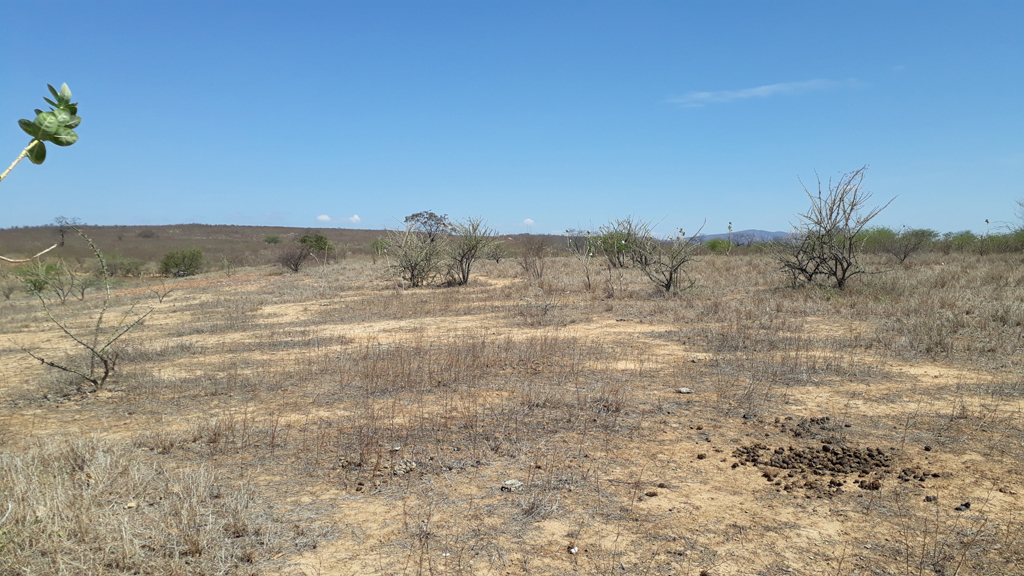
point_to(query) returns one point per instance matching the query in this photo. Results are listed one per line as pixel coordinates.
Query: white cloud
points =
(323, 218)
(527, 222)
(695, 99)
(355, 219)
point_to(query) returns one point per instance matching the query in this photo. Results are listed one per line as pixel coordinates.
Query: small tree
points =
(56, 278)
(378, 248)
(272, 239)
(431, 225)
(876, 239)
(416, 257)
(100, 341)
(719, 245)
(619, 241)
(582, 245)
(7, 285)
(182, 263)
(530, 256)
(497, 252)
(118, 265)
(471, 241)
(293, 258)
(825, 242)
(663, 261)
(908, 242)
(317, 245)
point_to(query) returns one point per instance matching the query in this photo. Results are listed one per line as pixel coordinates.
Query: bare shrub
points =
(825, 244)
(582, 246)
(293, 258)
(471, 240)
(531, 255)
(417, 258)
(908, 242)
(662, 261)
(97, 342)
(621, 241)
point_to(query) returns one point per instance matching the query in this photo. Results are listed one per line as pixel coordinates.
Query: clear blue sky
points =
(561, 113)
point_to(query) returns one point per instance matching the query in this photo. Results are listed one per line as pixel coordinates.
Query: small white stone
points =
(685, 391)
(511, 486)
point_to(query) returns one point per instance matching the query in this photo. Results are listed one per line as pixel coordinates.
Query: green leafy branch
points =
(55, 125)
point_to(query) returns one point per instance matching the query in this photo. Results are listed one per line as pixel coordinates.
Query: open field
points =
(330, 423)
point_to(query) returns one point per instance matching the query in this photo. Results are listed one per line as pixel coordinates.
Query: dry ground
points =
(329, 423)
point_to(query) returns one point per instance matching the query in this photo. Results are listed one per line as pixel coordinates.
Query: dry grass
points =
(330, 423)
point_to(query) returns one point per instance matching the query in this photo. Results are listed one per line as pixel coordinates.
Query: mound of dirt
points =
(815, 427)
(800, 466)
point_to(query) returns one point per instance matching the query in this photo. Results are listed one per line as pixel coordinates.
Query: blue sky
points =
(536, 116)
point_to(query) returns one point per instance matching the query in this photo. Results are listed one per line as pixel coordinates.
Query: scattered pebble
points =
(404, 466)
(511, 485)
(963, 507)
(685, 391)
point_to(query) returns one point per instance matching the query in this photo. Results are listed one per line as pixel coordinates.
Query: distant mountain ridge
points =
(746, 236)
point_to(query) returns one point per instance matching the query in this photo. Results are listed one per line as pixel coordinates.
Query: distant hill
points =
(746, 236)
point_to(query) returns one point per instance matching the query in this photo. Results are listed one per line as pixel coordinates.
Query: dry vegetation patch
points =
(329, 422)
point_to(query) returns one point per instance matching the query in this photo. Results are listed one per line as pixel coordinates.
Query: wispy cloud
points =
(323, 218)
(528, 222)
(355, 219)
(697, 99)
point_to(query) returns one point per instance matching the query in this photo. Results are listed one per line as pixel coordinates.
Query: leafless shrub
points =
(663, 261)
(582, 246)
(531, 255)
(294, 257)
(471, 240)
(162, 290)
(99, 342)
(416, 257)
(825, 244)
(907, 242)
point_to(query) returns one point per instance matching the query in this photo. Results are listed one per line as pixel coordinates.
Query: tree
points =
(416, 257)
(876, 239)
(908, 242)
(496, 252)
(531, 254)
(471, 241)
(430, 246)
(55, 126)
(56, 278)
(619, 241)
(378, 248)
(318, 245)
(182, 263)
(663, 261)
(719, 245)
(293, 258)
(824, 244)
(429, 224)
(582, 245)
